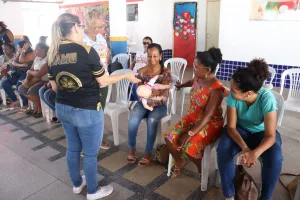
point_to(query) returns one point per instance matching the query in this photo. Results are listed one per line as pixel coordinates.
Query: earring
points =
(205, 75)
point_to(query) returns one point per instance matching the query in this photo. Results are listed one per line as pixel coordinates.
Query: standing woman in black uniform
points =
(75, 74)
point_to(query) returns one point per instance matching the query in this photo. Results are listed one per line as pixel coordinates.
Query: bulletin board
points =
(185, 31)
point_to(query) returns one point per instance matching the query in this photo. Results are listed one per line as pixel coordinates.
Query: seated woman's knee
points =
(22, 90)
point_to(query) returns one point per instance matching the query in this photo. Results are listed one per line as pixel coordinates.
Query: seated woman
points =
(6, 61)
(140, 61)
(155, 67)
(23, 61)
(204, 121)
(251, 129)
(48, 96)
(6, 36)
(36, 77)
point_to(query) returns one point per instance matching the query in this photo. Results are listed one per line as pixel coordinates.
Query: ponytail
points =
(55, 42)
(61, 28)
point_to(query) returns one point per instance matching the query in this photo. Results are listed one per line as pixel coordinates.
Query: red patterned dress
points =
(211, 132)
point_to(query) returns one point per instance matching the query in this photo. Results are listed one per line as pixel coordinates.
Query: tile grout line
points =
(41, 189)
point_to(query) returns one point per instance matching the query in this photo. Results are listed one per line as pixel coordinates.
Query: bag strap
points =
(286, 174)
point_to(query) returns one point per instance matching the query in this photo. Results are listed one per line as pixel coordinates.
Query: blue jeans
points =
(84, 131)
(11, 81)
(48, 97)
(271, 161)
(153, 117)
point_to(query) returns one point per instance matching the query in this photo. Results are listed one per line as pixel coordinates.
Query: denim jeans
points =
(152, 118)
(271, 161)
(48, 97)
(11, 81)
(84, 131)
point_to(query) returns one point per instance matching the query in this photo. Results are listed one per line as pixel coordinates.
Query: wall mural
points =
(275, 10)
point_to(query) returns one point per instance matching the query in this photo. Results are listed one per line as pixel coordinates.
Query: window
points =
(132, 12)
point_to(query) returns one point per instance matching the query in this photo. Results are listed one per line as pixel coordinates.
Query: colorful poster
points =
(185, 31)
(275, 10)
(95, 16)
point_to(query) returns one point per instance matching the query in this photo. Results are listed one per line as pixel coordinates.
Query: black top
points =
(75, 70)
(3, 39)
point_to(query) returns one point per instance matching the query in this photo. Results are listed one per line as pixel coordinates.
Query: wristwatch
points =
(191, 133)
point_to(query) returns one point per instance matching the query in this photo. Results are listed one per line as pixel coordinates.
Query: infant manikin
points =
(145, 91)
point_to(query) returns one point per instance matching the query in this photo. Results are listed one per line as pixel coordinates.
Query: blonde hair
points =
(60, 29)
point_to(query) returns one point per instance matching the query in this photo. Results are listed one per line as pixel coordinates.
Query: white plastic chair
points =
(187, 90)
(121, 58)
(47, 112)
(120, 106)
(273, 73)
(206, 156)
(177, 65)
(292, 102)
(3, 96)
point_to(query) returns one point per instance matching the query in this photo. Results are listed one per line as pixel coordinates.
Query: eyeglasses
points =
(146, 43)
(81, 25)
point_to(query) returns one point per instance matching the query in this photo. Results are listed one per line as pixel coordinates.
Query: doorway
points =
(212, 23)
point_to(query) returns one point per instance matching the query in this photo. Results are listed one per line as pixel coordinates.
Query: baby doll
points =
(145, 91)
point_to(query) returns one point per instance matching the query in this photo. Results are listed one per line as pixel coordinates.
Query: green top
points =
(251, 117)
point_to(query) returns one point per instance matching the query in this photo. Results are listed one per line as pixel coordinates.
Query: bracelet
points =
(191, 133)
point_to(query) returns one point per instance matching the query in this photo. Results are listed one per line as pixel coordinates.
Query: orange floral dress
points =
(211, 132)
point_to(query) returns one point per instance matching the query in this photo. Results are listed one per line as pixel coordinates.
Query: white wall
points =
(11, 14)
(241, 39)
(156, 20)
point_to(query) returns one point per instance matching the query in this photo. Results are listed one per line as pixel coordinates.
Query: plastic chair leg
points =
(170, 165)
(182, 96)
(205, 168)
(115, 127)
(3, 96)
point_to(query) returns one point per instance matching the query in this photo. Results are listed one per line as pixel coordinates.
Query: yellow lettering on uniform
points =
(72, 58)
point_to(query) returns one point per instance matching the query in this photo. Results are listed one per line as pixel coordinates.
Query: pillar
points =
(118, 26)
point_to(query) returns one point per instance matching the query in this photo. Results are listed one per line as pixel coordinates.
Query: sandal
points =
(144, 162)
(105, 145)
(176, 170)
(37, 115)
(131, 159)
(29, 112)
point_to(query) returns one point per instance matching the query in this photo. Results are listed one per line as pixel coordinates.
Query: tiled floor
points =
(33, 164)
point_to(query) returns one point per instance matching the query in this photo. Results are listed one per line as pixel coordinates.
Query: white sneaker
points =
(77, 190)
(102, 192)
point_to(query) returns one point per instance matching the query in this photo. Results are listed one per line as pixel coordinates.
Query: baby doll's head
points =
(144, 91)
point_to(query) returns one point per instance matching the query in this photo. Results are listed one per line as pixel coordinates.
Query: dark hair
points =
(148, 38)
(43, 46)
(3, 25)
(210, 58)
(158, 47)
(10, 45)
(253, 76)
(43, 38)
(27, 40)
(21, 45)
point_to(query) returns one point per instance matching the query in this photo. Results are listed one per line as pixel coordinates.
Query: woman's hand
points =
(25, 47)
(130, 76)
(248, 157)
(178, 85)
(24, 65)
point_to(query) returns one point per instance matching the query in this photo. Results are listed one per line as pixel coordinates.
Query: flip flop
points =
(37, 115)
(29, 112)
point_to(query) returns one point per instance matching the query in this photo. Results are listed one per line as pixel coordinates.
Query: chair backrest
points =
(280, 105)
(172, 93)
(294, 75)
(273, 73)
(177, 64)
(121, 58)
(122, 87)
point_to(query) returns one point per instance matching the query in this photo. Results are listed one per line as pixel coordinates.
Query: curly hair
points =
(210, 58)
(253, 76)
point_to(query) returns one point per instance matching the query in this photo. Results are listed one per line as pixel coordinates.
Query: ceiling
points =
(35, 1)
